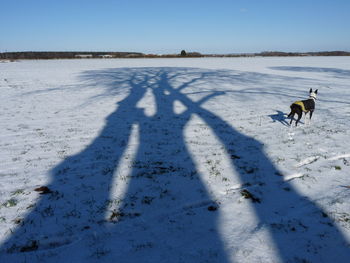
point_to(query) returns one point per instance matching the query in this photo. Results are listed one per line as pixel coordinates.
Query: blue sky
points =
(155, 26)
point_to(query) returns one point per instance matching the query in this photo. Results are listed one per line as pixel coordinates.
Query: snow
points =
(174, 160)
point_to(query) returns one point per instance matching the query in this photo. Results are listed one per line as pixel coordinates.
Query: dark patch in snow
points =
(248, 195)
(43, 190)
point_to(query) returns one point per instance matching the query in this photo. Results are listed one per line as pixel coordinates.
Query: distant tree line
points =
(87, 54)
(66, 55)
(294, 54)
(183, 53)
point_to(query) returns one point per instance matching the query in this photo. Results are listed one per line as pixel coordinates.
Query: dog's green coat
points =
(301, 104)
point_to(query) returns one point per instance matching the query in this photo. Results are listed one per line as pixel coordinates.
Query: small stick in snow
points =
(43, 190)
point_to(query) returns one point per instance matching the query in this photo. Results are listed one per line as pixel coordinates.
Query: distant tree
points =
(194, 54)
(183, 53)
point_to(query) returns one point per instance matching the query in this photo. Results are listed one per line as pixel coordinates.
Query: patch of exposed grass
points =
(248, 195)
(10, 203)
(17, 192)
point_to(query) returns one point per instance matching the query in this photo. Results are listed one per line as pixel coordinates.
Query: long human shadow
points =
(279, 207)
(165, 182)
(164, 178)
(79, 189)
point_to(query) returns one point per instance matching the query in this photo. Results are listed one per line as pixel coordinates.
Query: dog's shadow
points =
(280, 117)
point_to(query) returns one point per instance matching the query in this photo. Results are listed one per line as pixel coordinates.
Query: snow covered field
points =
(174, 160)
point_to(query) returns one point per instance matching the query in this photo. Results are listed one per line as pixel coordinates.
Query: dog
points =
(301, 106)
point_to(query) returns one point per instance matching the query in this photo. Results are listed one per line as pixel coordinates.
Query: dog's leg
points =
(299, 117)
(291, 115)
(311, 111)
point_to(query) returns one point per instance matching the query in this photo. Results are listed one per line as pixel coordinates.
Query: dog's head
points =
(313, 94)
